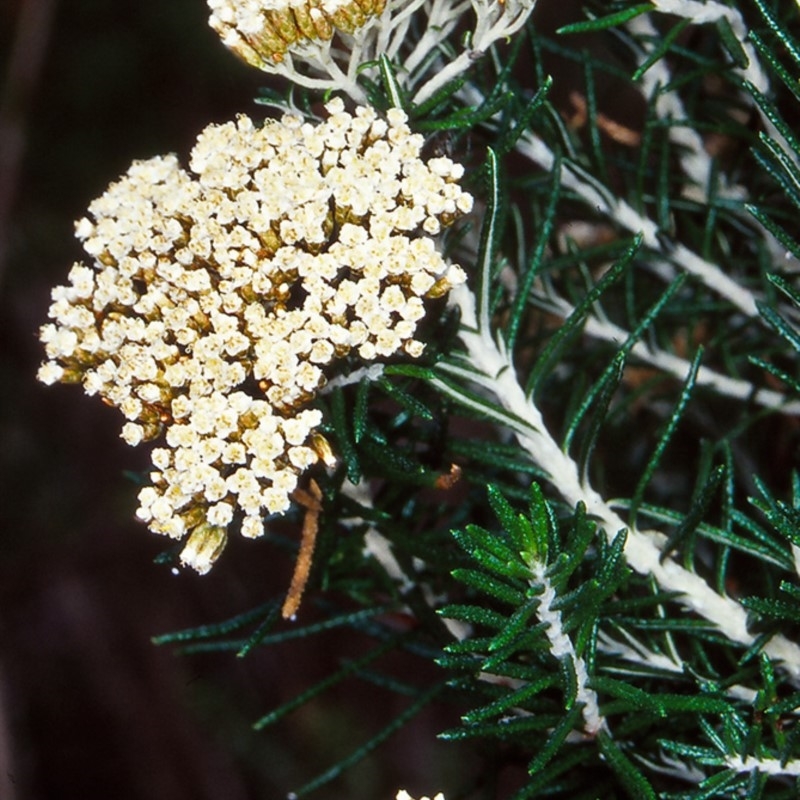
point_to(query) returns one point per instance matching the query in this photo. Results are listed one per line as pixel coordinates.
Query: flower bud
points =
(203, 547)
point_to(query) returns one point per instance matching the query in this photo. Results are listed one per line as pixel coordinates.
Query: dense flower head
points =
(404, 795)
(262, 31)
(218, 296)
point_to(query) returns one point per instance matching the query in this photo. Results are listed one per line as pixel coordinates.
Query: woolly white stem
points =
(439, 12)
(450, 71)
(372, 372)
(692, 154)
(674, 365)
(711, 12)
(673, 767)
(495, 21)
(598, 197)
(379, 547)
(491, 367)
(561, 647)
(635, 653)
(706, 12)
(638, 655)
(769, 766)
(375, 543)
(320, 59)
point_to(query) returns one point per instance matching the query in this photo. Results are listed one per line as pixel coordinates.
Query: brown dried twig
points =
(311, 500)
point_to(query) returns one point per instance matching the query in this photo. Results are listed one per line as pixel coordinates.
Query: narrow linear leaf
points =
(555, 740)
(622, 353)
(467, 117)
(390, 81)
(771, 113)
(581, 533)
(513, 699)
(540, 535)
(570, 759)
(484, 542)
(405, 399)
(514, 627)
(571, 325)
(343, 437)
(774, 608)
(506, 142)
(698, 510)
(776, 230)
(351, 618)
(780, 31)
(508, 728)
(490, 233)
(262, 612)
(330, 681)
(781, 283)
(378, 739)
(703, 755)
(490, 585)
(475, 615)
(666, 436)
(543, 237)
(779, 324)
(635, 785)
(438, 98)
(609, 21)
(360, 410)
(505, 514)
(766, 52)
(610, 383)
(261, 632)
(730, 41)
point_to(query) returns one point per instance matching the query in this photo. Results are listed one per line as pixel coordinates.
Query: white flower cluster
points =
(404, 795)
(261, 31)
(216, 300)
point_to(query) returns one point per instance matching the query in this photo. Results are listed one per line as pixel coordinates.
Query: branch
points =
(604, 202)
(562, 648)
(492, 368)
(769, 766)
(671, 364)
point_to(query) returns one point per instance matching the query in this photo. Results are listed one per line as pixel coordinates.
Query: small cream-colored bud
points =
(323, 449)
(204, 547)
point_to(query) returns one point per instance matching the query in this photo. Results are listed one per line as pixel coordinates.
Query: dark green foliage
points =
(597, 277)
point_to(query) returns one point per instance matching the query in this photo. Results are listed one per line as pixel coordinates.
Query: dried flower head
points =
(327, 44)
(218, 297)
(262, 31)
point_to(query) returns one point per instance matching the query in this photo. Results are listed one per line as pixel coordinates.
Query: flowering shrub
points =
(602, 567)
(218, 297)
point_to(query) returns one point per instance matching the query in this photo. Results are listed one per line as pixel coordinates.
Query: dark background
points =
(89, 708)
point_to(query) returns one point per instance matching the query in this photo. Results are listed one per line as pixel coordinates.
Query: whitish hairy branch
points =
(562, 648)
(711, 12)
(637, 655)
(495, 21)
(603, 201)
(491, 368)
(695, 160)
(769, 766)
(671, 364)
(377, 546)
(692, 154)
(599, 197)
